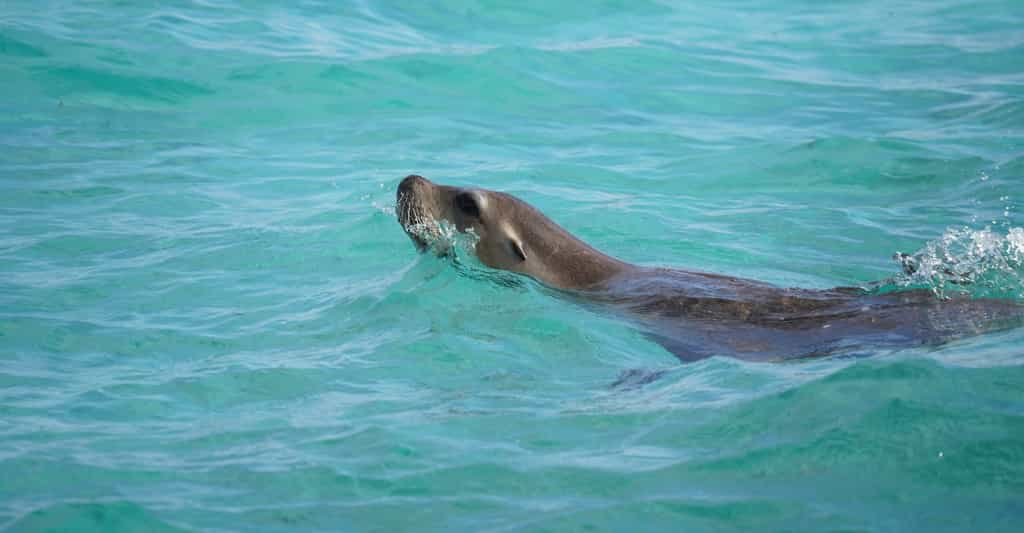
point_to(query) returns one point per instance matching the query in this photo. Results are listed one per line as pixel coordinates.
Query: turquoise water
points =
(210, 318)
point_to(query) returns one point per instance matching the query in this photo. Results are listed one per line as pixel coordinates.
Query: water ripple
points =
(211, 319)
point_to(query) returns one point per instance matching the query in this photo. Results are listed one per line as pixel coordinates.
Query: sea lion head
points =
(489, 215)
(510, 233)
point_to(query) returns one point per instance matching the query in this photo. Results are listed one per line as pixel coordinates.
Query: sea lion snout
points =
(410, 183)
(410, 199)
(410, 206)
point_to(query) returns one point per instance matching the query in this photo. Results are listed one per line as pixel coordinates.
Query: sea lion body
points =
(693, 314)
(697, 315)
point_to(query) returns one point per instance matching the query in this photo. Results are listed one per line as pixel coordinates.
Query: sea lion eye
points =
(465, 202)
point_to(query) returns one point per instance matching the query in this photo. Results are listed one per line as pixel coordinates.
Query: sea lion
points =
(692, 314)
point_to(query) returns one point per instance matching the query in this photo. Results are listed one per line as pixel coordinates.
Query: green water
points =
(210, 318)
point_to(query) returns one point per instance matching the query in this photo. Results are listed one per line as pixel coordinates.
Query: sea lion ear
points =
(517, 249)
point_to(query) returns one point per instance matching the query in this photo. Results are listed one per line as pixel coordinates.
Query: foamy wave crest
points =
(982, 263)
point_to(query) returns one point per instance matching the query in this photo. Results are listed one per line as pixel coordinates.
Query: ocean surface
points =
(211, 320)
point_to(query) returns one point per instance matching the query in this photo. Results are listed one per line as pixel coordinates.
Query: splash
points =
(981, 263)
(443, 238)
(445, 241)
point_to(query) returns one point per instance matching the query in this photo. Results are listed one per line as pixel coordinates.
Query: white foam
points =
(982, 262)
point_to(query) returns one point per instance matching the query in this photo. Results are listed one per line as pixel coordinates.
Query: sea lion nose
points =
(410, 183)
